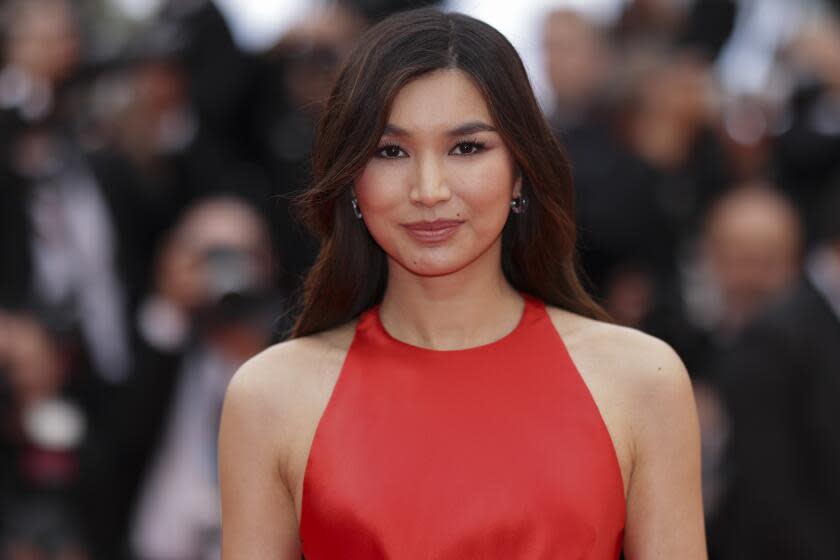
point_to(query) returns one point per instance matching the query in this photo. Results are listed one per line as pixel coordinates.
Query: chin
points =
(432, 271)
(446, 258)
(432, 265)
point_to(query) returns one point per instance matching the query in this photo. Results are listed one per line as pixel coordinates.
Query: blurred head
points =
(651, 19)
(156, 118)
(42, 38)
(30, 359)
(312, 53)
(576, 58)
(661, 102)
(219, 247)
(431, 73)
(754, 240)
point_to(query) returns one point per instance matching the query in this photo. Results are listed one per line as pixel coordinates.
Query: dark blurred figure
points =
(218, 74)
(704, 25)
(41, 45)
(41, 530)
(808, 146)
(753, 245)
(642, 195)
(298, 76)
(780, 386)
(748, 252)
(750, 255)
(639, 124)
(44, 436)
(68, 218)
(212, 307)
(653, 21)
(578, 60)
(41, 52)
(162, 104)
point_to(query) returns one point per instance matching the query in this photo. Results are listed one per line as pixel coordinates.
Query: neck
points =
(472, 306)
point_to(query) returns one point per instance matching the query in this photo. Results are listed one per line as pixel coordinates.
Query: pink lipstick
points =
(433, 232)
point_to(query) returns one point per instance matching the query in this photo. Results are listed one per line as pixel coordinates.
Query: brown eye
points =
(390, 151)
(467, 148)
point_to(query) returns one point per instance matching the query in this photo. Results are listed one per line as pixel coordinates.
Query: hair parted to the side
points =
(350, 273)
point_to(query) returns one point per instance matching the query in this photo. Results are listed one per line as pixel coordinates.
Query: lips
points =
(433, 232)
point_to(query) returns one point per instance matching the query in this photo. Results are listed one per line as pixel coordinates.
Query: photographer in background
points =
(212, 308)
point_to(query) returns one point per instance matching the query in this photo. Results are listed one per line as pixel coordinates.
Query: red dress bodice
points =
(492, 452)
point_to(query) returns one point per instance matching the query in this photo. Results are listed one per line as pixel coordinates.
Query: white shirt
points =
(823, 269)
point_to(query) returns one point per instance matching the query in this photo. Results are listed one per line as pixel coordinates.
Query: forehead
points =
(438, 101)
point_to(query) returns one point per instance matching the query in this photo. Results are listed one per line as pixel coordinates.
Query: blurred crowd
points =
(147, 247)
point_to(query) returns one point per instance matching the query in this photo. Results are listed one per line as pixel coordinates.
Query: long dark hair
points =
(350, 272)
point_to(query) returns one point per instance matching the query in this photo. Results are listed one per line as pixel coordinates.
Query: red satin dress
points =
(491, 452)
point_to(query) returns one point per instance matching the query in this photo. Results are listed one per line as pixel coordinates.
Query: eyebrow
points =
(467, 128)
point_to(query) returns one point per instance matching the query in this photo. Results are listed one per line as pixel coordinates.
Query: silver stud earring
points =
(519, 205)
(356, 210)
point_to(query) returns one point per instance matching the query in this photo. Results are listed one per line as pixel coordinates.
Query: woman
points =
(468, 402)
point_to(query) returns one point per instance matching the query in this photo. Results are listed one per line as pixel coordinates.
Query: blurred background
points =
(147, 152)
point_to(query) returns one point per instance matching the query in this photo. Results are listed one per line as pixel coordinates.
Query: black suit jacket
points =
(129, 214)
(781, 385)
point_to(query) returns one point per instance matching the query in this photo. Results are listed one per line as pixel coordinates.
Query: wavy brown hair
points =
(538, 255)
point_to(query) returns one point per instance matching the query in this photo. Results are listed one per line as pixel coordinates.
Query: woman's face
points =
(436, 194)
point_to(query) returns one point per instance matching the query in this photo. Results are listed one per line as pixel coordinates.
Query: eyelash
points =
(477, 148)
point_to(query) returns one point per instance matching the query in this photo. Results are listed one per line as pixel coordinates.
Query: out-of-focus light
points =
(745, 123)
(54, 424)
(258, 24)
(255, 24)
(137, 9)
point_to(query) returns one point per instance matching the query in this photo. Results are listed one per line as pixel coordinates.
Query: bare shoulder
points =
(278, 369)
(281, 384)
(270, 406)
(638, 382)
(640, 364)
(645, 396)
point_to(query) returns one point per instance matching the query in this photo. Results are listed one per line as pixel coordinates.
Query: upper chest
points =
(450, 428)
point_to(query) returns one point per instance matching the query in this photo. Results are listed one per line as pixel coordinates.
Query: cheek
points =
(485, 189)
(380, 188)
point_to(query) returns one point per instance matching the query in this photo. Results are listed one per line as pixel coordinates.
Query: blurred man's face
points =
(314, 51)
(754, 246)
(44, 40)
(575, 56)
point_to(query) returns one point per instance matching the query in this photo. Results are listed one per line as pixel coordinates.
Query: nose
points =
(429, 186)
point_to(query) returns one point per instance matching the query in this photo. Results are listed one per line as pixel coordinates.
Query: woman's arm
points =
(664, 505)
(258, 512)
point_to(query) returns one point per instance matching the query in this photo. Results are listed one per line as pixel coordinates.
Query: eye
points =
(467, 147)
(390, 151)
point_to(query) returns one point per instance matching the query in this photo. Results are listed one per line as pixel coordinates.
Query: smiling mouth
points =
(433, 232)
